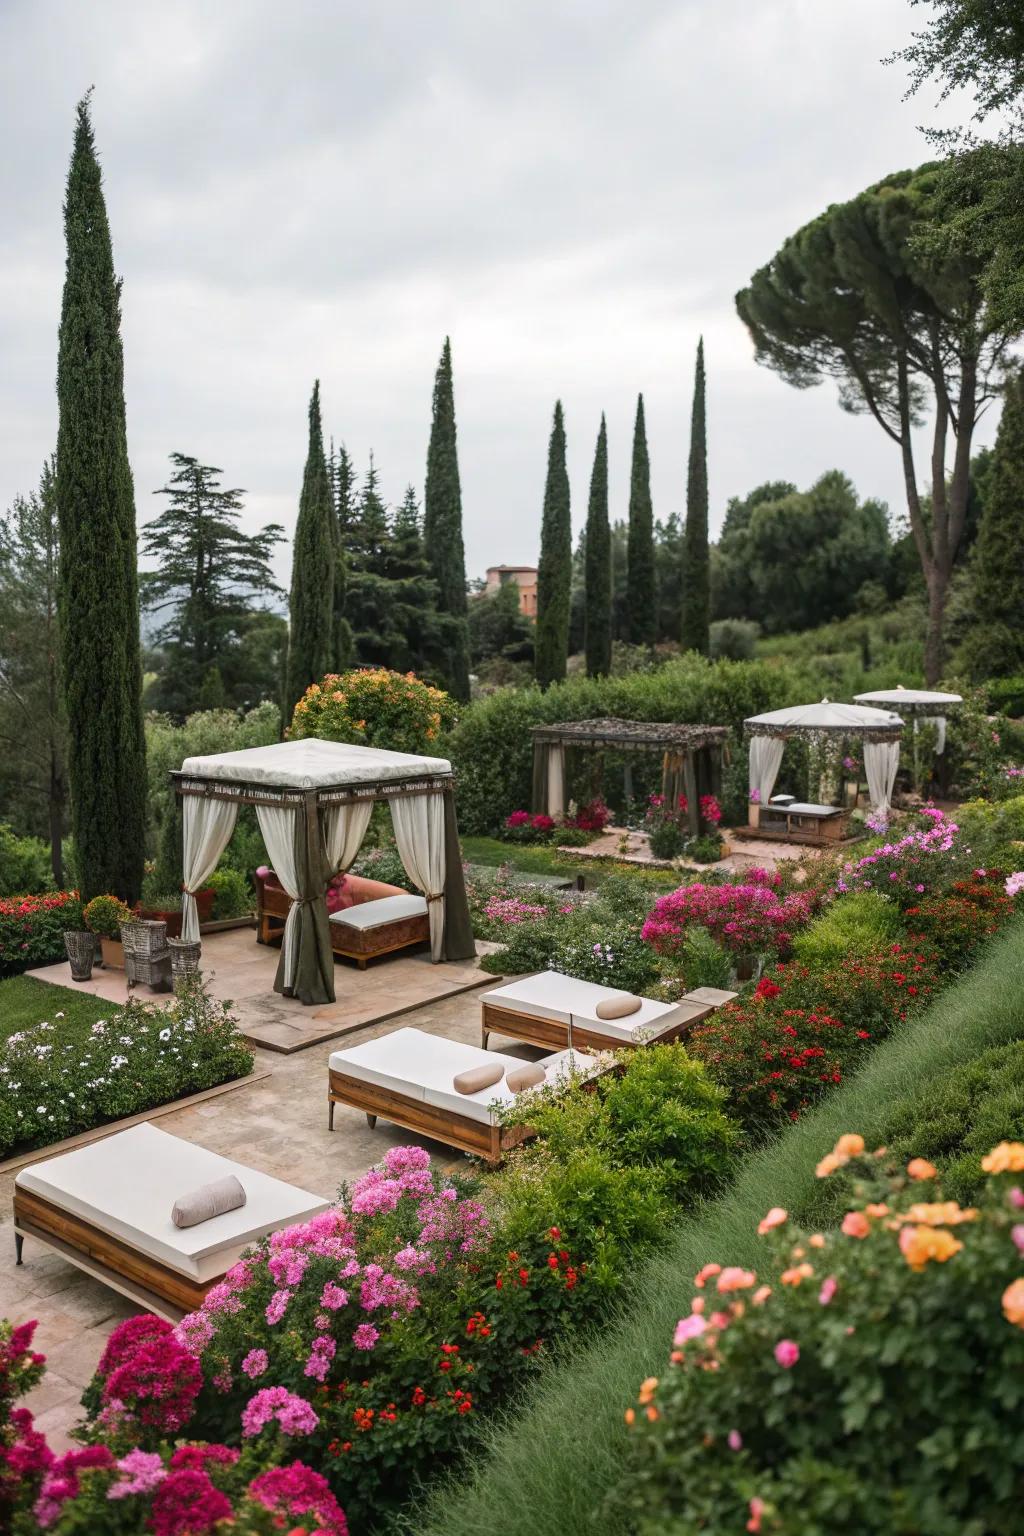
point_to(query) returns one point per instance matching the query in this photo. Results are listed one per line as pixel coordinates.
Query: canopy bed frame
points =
(691, 758)
(313, 802)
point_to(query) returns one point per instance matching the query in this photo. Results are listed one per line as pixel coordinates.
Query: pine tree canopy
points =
(207, 577)
(99, 600)
(554, 572)
(696, 604)
(598, 610)
(641, 608)
(442, 524)
(392, 597)
(311, 636)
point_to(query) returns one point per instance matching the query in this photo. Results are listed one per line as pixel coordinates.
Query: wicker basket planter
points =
(80, 946)
(184, 959)
(146, 954)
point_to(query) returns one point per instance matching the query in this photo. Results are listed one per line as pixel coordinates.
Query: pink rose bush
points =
(752, 917)
(809, 1394)
(924, 860)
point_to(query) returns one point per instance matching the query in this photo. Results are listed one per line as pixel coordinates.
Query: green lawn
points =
(25, 1002)
(538, 859)
(549, 1464)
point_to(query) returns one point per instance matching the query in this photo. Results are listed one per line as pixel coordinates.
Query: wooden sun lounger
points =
(539, 1009)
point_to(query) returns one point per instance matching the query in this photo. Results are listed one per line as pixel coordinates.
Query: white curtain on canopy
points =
(939, 722)
(556, 780)
(344, 829)
(765, 760)
(207, 827)
(277, 823)
(881, 760)
(419, 832)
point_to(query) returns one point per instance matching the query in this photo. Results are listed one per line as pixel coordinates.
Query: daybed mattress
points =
(422, 1066)
(550, 995)
(383, 909)
(126, 1185)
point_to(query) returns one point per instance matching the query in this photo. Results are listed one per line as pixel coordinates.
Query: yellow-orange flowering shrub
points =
(374, 707)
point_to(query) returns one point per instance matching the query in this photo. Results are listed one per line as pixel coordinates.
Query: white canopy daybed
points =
(925, 706)
(313, 802)
(879, 730)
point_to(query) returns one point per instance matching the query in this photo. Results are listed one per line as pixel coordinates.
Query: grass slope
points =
(547, 1466)
(25, 1002)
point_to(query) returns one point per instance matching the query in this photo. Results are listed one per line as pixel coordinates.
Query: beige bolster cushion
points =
(477, 1078)
(619, 1007)
(527, 1076)
(207, 1201)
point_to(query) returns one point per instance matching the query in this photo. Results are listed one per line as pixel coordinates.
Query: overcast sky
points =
(572, 189)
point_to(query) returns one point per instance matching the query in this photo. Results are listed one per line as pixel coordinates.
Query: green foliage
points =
(24, 864)
(696, 572)
(554, 572)
(443, 524)
(641, 613)
(498, 628)
(492, 751)
(861, 924)
(104, 915)
(311, 603)
(598, 625)
(233, 895)
(995, 645)
(98, 582)
(706, 849)
(703, 962)
(206, 577)
(120, 1061)
(385, 864)
(733, 639)
(871, 1398)
(666, 838)
(618, 958)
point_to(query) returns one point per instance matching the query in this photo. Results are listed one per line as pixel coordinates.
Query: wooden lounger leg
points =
(371, 1120)
(19, 1244)
(330, 1113)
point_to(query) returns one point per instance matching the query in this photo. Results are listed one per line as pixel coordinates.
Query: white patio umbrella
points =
(879, 729)
(925, 706)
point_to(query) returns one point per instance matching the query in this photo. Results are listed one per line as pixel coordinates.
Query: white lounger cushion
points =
(550, 995)
(385, 909)
(422, 1066)
(126, 1185)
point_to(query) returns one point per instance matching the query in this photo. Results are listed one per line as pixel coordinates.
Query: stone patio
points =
(240, 971)
(632, 846)
(277, 1124)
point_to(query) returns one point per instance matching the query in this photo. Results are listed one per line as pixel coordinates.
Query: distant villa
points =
(525, 577)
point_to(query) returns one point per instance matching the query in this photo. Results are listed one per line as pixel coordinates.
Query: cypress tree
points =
(442, 524)
(98, 580)
(341, 629)
(995, 646)
(696, 559)
(641, 609)
(598, 609)
(311, 635)
(554, 572)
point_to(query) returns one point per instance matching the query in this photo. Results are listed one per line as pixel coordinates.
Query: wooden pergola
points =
(691, 757)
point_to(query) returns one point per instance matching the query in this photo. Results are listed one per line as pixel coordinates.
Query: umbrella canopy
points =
(826, 719)
(913, 701)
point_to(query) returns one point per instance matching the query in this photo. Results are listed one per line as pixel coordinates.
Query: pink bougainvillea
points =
(751, 917)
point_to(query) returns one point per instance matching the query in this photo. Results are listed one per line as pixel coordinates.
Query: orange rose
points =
(1013, 1303)
(856, 1224)
(1008, 1157)
(921, 1168)
(920, 1245)
(849, 1146)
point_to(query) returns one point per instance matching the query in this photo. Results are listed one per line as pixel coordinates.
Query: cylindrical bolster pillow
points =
(619, 1007)
(477, 1078)
(207, 1201)
(527, 1076)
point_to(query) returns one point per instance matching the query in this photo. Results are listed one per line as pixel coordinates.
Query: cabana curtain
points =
(556, 780)
(344, 829)
(207, 827)
(277, 824)
(419, 824)
(765, 761)
(881, 760)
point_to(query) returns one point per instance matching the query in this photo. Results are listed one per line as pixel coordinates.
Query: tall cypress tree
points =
(311, 634)
(641, 608)
(598, 608)
(696, 559)
(341, 629)
(442, 523)
(554, 573)
(98, 579)
(995, 645)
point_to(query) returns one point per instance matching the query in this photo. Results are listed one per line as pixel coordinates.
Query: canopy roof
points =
(327, 767)
(912, 700)
(648, 735)
(827, 719)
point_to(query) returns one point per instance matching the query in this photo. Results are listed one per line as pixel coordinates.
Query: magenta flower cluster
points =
(748, 918)
(906, 864)
(148, 1373)
(276, 1404)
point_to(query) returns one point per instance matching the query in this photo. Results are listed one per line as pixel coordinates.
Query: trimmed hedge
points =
(492, 751)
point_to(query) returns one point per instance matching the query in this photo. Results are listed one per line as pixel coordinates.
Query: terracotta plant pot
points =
(113, 953)
(161, 915)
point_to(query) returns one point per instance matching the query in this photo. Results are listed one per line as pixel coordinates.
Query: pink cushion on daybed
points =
(339, 894)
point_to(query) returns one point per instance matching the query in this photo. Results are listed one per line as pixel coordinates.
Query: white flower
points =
(40, 1109)
(165, 1034)
(58, 1015)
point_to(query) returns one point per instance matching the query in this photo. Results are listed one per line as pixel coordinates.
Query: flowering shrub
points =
(666, 826)
(54, 1083)
(592, 817)
(621, 959)
(710, 810)
(105, 914)
(374, 707)
(24, 1453)
(32, 929)
(860, 1381)
(522, 827)
(745, 918)
(921, 862)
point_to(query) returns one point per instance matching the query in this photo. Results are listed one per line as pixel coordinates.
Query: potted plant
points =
(79, 942)
(166, 907)
(754, 808)
(103, 917)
